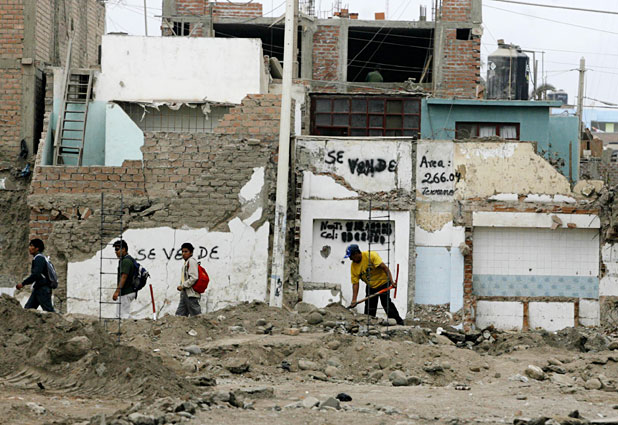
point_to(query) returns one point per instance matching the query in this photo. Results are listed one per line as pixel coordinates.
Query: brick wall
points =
(11, 28)
(456, 10)
(194, 179)
(461, 59)
(10, 113)
(326, 53)
(220, 10)
(257, 116)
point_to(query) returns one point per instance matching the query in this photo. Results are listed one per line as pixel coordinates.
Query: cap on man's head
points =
(352, 249)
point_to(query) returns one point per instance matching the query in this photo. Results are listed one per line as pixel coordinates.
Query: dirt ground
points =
(254, 364)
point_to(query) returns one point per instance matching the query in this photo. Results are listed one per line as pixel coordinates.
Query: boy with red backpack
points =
(189, 304)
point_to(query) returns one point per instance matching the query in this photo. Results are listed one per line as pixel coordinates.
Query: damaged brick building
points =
(33, 36)
(194, 155)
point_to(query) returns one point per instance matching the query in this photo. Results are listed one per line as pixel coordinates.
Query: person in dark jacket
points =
(41, 290)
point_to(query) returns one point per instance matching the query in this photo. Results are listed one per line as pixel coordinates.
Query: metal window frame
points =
(498, 125)
(348, 128)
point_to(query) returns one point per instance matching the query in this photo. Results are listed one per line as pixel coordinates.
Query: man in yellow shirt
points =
(369, 267)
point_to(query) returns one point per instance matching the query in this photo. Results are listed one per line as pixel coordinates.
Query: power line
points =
(609, 12)
(553, 20)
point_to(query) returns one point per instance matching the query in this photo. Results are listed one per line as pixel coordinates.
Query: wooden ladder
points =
(72, 118)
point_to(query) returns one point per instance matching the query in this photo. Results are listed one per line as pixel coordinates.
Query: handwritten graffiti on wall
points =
(199, 253)
(361, 167)
(436, 177)
(356, 231)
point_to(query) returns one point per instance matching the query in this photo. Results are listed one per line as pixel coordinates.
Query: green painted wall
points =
(439, 116)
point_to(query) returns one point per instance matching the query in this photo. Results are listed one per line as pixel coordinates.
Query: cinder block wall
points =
(192, 179)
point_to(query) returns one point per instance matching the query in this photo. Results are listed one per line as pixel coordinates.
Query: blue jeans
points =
(41, 296)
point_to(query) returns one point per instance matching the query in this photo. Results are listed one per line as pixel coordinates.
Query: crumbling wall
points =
(517, 189)
(219, 185)
(339, 181)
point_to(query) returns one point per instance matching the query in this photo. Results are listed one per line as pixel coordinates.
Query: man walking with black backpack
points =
(126, 271)
(41, 290)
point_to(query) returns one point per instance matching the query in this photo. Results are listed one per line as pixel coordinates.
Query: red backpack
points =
(202, 280)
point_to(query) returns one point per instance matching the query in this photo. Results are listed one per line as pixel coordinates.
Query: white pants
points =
(124, 305)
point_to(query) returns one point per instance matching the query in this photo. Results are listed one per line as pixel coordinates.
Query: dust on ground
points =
(253, 363)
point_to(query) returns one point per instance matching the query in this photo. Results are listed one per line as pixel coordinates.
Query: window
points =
(365, 116)
(182, 28)
(607, 127)
(471, 130)
(463, 33)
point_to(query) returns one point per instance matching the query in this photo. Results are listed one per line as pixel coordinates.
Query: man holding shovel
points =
(369, 267)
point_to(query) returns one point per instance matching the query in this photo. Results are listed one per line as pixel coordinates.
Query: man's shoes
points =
(400, 322)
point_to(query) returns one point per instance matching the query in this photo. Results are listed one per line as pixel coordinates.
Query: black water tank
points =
(507, 73)
(560, 95)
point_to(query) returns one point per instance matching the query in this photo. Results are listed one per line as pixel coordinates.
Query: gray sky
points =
(557, 32)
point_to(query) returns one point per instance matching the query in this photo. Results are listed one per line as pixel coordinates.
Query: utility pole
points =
(145, 19)
(277, 276)
(580, 95)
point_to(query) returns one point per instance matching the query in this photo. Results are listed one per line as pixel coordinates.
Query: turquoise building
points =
(556, 137)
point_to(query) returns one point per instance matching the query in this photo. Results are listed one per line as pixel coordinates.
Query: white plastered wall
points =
(179, 69)
(236, 261)
(330, 198)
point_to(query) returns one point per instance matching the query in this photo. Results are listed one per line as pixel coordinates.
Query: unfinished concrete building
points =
(439, 54)
(33, 36)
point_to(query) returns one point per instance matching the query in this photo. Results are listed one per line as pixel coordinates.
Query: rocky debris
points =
(383, 361)
(535, 372)
(202, 381)
(331, 402)
(141, 419)
(307, 365)
(36, 408)
(255, 392)
(70, 350)
(613, 345)
(399, 379)
(192, 349)
(343, 397)
(593, 384)
(309, 402)
(333, 344)
(331, 371)
(315, 318)
(305, 308)
(238, 366)
(573, 418)
(192, 332)
(291, 331)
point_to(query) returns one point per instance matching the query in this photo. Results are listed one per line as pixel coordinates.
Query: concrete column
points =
(28, 75)
(342, 67)
(306, 60)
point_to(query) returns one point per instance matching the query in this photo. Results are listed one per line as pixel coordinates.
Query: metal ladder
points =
(71, 127)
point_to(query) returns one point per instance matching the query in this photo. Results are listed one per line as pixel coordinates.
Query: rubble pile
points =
(52, 352)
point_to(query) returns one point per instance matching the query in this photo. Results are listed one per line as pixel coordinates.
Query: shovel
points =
(372, 296)
(380, 292)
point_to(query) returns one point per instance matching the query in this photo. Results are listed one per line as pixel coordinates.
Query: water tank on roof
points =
(560, 95)
(508, 73)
